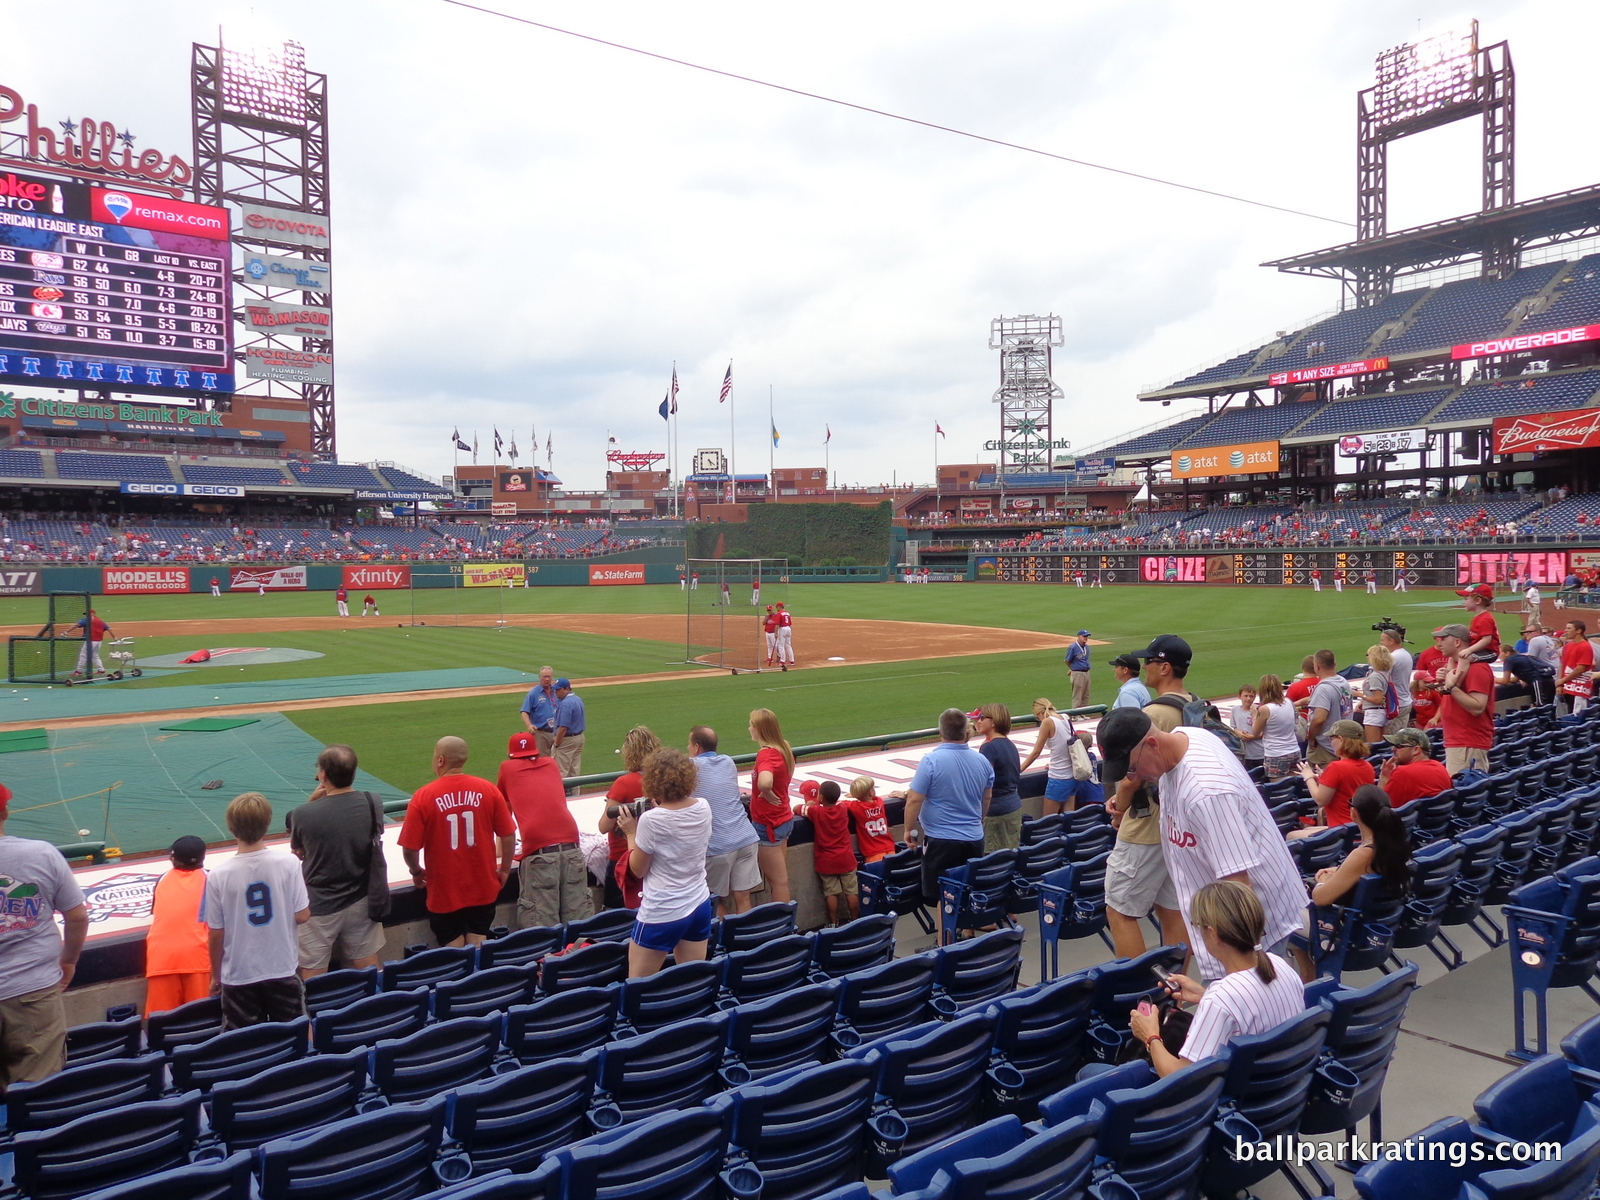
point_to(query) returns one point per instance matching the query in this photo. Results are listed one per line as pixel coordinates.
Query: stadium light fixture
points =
(1426, 77)
(265, 81)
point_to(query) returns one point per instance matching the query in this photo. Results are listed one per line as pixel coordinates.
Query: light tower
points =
(1026, 391)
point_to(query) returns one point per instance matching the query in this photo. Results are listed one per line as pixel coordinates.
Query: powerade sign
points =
(229, 490)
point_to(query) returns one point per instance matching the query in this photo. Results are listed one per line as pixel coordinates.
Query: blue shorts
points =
(1085, 791)
(696, 927)
(771, 835)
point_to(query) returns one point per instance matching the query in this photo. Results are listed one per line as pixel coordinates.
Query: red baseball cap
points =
(808, 790)
(1483, 591)
(522, 745)
(5, 798)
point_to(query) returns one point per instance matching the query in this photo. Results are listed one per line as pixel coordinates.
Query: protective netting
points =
(726, 600)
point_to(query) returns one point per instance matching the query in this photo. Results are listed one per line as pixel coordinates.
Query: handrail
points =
(879, 741)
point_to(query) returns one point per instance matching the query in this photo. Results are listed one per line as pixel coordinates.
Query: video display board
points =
(1420, 567)
(112, 288)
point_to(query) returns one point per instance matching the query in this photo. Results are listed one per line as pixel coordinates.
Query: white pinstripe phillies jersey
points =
(1213, 824)
(1241, 1004)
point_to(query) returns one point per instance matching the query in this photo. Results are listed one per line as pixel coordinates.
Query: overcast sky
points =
(529, 229)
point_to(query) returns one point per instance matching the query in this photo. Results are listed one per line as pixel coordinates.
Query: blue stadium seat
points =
(609, 925)
(1554, 928)
(1153, 1132)
(105, 1148)
(494, 989)
(768, 970)
(436, 1058)
(1436, 868)
(1481, 847)
(562, 1025)
(364, 1023)
(1039, 1034)
(678, 993)
(541, 1183)
(1582, 1048)
(1539, 1102)
(999, 1161)
(239, 1053)
(747, 930)
(845, 948)
(933, 1076)
(649, 1074)
(386, 1155)
(335, 989)
(1360, 1044)
(81, 1090)
(1034, 861)
(1457, 1169)
(1358, 934)
(182, 1026)
(674, 1156)
(1072, 904)
(225, 1179)
(973, 896)
(893, 885)
(521, 948)
(780, 1032)
(1325, 848)
(513, 1120)
(805, 1130)
(104, 1041)
(595, 965)
(428, 968)
(284, 1100)
(978, 970)
(884, 1000)
(1122, 983)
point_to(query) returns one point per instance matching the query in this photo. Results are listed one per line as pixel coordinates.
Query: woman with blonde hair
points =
(770, 809)
(639, 744)
(1374, 697)
(1056, 732)
(1258, 992)
(1274, 728)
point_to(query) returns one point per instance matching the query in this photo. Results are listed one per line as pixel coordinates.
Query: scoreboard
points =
(124, 291)
(1429, 567)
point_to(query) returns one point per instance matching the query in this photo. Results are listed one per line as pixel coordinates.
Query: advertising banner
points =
(182, 489)
(300, 320)
(162, 213)
(280, 271)
(372, 578)
(1187, 568)
(503, 508)
(1526, 341)
(493, 575)
(1572, 429)
(1395, 441)
(1244, 458)
(273, 579)
(264, 223)
(288, 366)
(515, 481)
(143, 581)
(21, 583)
(615, 573)
(1365, 366)
(1497, 567)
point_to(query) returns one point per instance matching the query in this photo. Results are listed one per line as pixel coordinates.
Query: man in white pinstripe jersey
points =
(1214, 824)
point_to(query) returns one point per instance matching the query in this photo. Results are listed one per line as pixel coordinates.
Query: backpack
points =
(1202, 714)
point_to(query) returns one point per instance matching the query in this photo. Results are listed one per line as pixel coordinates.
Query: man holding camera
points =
(553, 880)
(1393, 639)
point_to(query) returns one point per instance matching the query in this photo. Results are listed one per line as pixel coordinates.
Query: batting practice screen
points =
(726, 600)
(50, 655)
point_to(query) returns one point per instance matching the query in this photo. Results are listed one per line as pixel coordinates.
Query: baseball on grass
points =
(83, 833)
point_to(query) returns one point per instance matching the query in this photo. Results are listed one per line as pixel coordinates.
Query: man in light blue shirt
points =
(731, 869)
(947, 801)
(1078, 665)
(567, 748)
(1131, 692)
(539, 711)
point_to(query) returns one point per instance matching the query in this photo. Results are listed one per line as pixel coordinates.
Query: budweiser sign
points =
(1365, 366)
(92, 149)
(1547, 340)
(373, 578)
(1571, 430)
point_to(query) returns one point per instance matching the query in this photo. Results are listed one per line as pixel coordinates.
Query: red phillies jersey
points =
(832, 854)
(454, 821)
(770, 624)
(341, 594)
(784, 619)
(872, 828)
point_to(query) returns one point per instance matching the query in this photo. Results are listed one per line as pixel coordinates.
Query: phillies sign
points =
(1365, 366)
(90, 149)
(1573, 429)
(373, 578)
(1527, 341)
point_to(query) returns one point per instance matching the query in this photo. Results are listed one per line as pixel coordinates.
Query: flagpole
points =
(677, 469)
(733, 447)
(772, 446)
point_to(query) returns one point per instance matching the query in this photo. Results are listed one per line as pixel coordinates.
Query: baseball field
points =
(871, 658)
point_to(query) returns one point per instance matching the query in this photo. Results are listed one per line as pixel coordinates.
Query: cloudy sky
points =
(530, 229)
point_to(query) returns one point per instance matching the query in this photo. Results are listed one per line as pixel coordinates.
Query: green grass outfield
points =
(1238, 634)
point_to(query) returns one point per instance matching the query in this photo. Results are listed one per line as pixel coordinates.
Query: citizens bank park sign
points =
(1574, 429)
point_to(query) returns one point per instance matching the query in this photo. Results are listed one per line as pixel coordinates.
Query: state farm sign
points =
(614, 573)
(1573, 429)
(132, 581)
(1548, 339)
(372, 578)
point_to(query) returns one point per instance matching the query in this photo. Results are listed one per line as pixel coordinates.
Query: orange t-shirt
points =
(177, 942)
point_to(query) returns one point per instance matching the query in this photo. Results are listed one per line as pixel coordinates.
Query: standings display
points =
(1419, 568)
(99, 302)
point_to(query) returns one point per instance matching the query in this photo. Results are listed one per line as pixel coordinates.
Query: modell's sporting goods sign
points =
(273, 579)
(1573, 429)
(133, 581)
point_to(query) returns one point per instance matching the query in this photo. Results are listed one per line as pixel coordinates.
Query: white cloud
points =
(531, 229)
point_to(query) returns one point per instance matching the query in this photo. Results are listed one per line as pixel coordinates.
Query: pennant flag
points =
(829, 438)
(774, 435)
(455, 434)
(937, 429)
(498, 444)
(474, 444)
(460, 445)
(663, 410)
(727, 384)
(513, 451)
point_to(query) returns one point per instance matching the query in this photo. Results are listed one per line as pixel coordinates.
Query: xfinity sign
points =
(231, 490)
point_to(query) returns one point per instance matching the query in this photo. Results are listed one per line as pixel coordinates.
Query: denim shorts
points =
(771, 835)
(696, 927)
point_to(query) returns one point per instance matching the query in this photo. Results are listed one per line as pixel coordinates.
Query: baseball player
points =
(785, 637)
(755, 591)
(770, 627)
(216, 586)
(342, 597)
(1316, 579)
(94, 632)
(727, 595)
(369, 607)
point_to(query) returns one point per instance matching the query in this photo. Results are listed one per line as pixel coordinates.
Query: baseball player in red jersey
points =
(769, 626)
(785, 637)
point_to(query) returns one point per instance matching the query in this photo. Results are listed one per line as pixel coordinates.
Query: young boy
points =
(872, 822)
(177, 954)
(253, 904)
(834, 857)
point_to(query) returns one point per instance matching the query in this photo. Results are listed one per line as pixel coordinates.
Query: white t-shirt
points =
(1372, 711)
(1215, 824)
(1278, 739)
(676, 840)
(1243, 718)
(1400, 676)
(253, 898)
(35, 884)
(1546, 650)
(1240, 1004)
(1060, 746)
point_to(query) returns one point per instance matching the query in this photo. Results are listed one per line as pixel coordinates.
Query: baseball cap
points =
(1482, 590)
(780, 603)
(1168, 648)
(769, 608)
(1410, 737)
(808, 790)
(1084, 633)
(521, 745)
(1127, 662)
(564, 683)
(1348, 729)
(1454, 630)
(189, 850)
(1120, 730)
(5, 798)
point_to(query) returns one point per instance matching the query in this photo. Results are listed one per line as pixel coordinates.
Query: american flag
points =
(727, 384)
(937, 429)
(674, 395)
